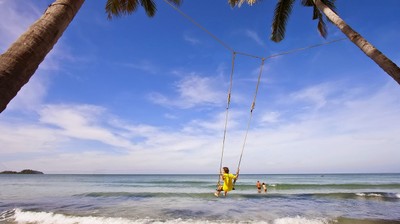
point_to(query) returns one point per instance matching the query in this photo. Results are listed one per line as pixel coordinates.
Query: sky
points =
(139, 95)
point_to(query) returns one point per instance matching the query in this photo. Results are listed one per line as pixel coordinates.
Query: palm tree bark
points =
(384, 62)
(20, 61)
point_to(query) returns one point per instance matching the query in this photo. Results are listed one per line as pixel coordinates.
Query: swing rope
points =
(226, 115)
(248, 122)
(253, 104)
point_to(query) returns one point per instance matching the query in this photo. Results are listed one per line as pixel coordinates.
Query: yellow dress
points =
(227, 178)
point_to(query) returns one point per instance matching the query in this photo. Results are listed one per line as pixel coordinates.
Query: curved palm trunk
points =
(385, 63)
(20, 61)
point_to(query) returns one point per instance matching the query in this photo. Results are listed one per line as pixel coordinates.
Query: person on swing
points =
(227, 178)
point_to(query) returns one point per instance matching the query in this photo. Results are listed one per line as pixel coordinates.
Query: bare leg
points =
(218, 191)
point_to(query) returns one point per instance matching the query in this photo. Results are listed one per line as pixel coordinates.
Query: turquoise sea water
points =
(126, 199)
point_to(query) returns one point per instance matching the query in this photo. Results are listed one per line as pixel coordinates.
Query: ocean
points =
(128, 199)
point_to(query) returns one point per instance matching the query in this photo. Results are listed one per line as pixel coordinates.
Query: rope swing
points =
(252, 107)
(234, 53)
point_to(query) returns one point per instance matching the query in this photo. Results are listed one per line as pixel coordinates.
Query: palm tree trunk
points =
(20, 61)
(385, 63)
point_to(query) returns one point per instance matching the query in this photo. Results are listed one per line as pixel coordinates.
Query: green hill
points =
(27, 171)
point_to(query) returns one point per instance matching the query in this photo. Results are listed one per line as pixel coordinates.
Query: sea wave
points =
(250, 186)
(383, 196)
(19, 216)
(347, 186)
(7, 214)
(369, 194)
(238, 194)
(41, 217)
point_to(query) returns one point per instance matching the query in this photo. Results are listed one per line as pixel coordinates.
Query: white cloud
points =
(82, 122)
(170, 116)
(270, 117)
(26, 138)
(193, 90)
(254, 36)
(358, 134)
(31, 96)
(191, 39)
(315, 96)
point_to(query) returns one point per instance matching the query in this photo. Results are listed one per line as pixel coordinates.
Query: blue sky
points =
(140, 95)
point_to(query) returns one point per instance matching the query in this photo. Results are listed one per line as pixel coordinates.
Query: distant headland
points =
(22, 172)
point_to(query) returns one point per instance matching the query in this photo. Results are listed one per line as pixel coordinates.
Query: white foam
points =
(369, 195)
(7, 215)
(374, 195)
(25, 217)
(397, 195)
(52, 218)
(300, 220)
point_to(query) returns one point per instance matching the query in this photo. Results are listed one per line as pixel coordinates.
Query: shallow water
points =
(333, 198)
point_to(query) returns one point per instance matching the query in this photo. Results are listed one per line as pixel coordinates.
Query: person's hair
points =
(226, 169)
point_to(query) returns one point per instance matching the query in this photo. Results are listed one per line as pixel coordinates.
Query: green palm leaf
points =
(307, 3)
(116, 8)
(233, 3)
(281, 14)
(120, 7)
(321, 23)
(149, 6)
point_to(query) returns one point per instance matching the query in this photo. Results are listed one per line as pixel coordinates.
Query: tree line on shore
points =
(26, 171)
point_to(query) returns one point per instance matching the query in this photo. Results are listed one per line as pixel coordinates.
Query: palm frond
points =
(239, 3)
(307, 3)
(233, 3)
(116, 8)
(176, 2)
(120, 7)
(149, 6)
(281, 15)
(251, 2)
(321, 23)
(329, 3)
(316, 13)
(322, 29)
